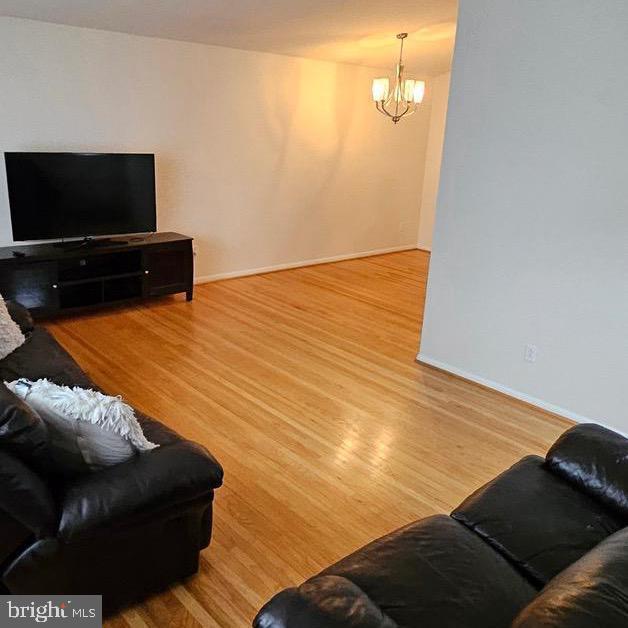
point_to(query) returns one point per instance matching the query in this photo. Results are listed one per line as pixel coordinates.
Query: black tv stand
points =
(49, 279)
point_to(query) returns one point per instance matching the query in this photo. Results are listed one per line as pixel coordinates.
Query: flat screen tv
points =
(64, 195)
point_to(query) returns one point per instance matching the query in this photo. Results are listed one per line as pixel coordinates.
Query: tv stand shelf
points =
(49, 279)
(78, 282)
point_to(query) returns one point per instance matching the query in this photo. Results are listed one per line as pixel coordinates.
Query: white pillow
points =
(11, 336)
(88, 430)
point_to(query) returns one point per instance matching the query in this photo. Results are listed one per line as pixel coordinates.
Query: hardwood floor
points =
(303, 384)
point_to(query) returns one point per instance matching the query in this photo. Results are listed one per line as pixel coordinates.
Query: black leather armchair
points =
(543, 545)
(122, 532)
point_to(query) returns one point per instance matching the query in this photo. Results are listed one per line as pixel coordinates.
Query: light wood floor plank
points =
(303, 384)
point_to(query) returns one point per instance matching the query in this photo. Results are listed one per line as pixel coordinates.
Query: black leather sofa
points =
(544, 545)
(122, 532)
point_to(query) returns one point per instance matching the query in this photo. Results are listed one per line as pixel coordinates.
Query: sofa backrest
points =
(537, 521)
(594, 460)
(591, 592)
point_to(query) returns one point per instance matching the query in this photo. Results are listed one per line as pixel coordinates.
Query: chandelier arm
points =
(404, 111)
(412, 111)
(398, 86)
(383, 110)
(381, 107)
(395, 116)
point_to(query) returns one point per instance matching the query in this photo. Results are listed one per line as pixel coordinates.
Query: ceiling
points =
(352, 31)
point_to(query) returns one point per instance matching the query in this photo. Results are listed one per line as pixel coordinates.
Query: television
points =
(54, 196)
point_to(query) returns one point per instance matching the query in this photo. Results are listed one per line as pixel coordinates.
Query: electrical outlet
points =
(530, 353)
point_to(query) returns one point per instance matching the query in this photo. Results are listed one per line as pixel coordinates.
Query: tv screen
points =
(64, 195)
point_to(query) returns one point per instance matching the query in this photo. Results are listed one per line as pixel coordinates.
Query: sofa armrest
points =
(21, 316)
(170, 475)
(25, 497)
(323, 602)
(595, 460)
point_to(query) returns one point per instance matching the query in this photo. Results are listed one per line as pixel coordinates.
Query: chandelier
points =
(406, 95)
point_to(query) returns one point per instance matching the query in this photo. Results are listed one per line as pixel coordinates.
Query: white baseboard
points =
(309, 262)
(539, 403)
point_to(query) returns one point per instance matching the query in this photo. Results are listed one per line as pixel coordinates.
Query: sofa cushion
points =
(22, 431)
(594, 460)
(25, 497)
(536, 520)
(592, 592)
(432, 573)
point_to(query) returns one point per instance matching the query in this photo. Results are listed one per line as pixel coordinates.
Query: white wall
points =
(264, 159)
(531, 239)
(433, 158)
